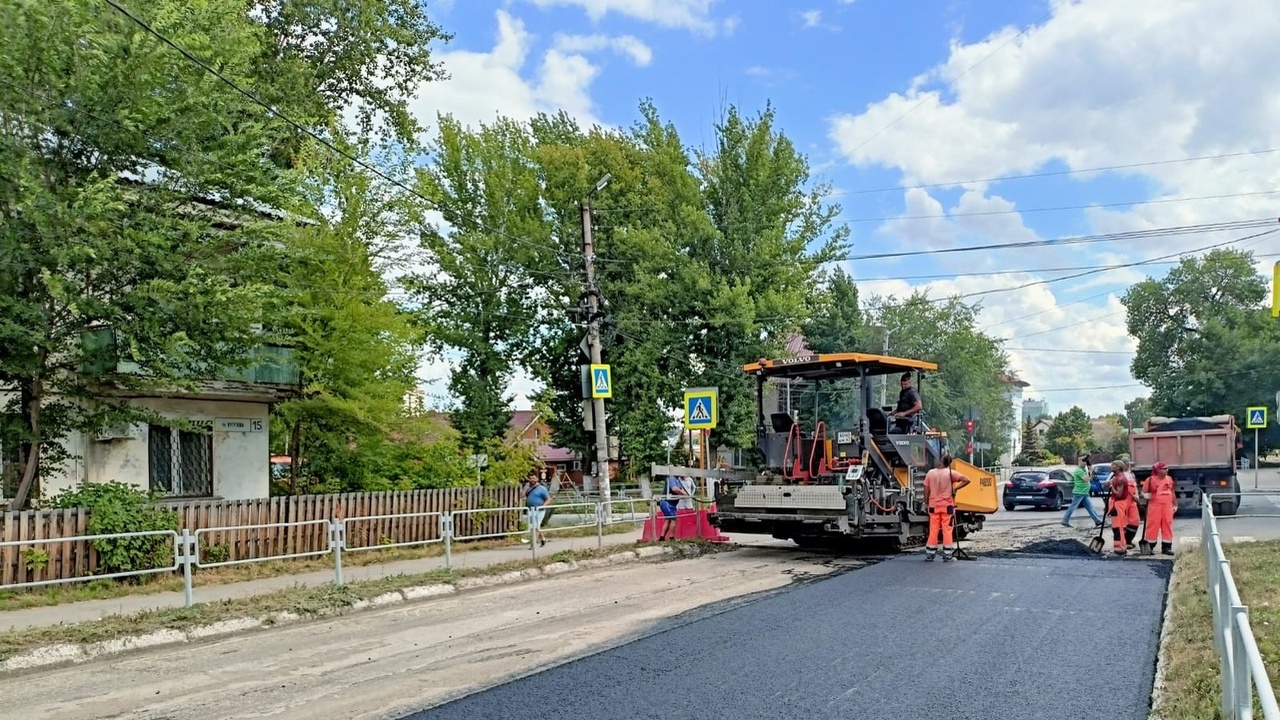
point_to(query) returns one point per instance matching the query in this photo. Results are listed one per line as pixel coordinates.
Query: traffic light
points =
(968, 448)
(968, 426)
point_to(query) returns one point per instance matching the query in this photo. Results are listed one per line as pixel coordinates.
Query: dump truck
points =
(850, 474)
(1200, 453)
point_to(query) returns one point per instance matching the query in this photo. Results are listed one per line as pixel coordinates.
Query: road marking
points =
(1189, 540)
(1244, 539)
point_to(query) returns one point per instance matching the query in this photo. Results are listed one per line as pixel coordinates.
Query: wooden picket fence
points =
(78, 558)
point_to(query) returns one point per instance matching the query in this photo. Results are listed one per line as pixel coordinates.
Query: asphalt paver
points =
(901, 639)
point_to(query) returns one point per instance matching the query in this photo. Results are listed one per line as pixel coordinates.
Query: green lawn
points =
(1192, 690)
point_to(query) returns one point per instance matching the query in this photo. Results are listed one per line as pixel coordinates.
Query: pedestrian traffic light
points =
(968, 448)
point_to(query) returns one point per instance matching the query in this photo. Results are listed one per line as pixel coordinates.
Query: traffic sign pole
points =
(1255, 420)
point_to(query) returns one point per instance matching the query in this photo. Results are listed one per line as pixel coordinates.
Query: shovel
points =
(1097, 544)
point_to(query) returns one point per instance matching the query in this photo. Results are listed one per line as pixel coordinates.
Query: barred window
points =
(181, 461)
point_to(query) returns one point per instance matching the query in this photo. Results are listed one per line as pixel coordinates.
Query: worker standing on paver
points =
(1161, 505)
(1124, 509)
(940, 487)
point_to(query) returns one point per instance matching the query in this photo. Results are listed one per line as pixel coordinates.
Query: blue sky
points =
(883, 96)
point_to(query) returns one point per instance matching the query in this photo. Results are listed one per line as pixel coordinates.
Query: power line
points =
(433, 204)
(1053, 173)
(1067, 350)
(1061, 208)
(1083, 239)
(1245, 240)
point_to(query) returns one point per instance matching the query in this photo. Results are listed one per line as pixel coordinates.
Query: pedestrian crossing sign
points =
(1257, 418)
(601, 382)
(700, 411)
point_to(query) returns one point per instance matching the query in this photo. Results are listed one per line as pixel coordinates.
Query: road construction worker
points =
(1123, 509)
(1161, 505)
(940, 486)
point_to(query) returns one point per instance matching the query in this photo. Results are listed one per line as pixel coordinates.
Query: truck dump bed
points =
(1185, 443)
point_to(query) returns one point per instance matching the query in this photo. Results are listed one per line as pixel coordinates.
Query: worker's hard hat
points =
(1159, 466)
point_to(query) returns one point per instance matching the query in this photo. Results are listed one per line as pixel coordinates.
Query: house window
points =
(180, 462)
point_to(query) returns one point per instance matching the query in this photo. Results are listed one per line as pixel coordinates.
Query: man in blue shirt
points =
(536, 497)
(669, 504)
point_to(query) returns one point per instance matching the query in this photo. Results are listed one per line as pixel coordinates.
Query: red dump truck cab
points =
(1200, 453)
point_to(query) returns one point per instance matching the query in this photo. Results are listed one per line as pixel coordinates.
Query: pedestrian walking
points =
(1162, 503)
(1080, 494)
(536, 499)
(940, 486)
(677, 494)
(1123, 509)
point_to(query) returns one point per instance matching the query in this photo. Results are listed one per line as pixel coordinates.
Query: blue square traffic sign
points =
(700, 411)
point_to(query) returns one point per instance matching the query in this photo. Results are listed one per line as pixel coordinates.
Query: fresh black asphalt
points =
(1007, 637)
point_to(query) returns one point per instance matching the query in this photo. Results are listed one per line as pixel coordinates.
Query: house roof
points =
(522, 420)
(1014, 380)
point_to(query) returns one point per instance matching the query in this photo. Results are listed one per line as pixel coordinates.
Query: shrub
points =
(115, 507)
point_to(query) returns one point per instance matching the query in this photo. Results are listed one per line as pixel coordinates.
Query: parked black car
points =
(1039, 488)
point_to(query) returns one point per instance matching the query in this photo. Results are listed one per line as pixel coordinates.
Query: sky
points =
(939, 124)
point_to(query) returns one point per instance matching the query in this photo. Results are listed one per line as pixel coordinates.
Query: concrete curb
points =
(1162, 648)
(75, 653)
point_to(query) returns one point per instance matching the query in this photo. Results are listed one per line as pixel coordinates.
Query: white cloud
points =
(683, 14)
(813, 19)
(1101, 83)
(1098, 84)
(485, 85)
(627, 45)
(1034, 318)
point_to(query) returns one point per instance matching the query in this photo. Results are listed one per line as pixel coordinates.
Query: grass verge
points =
(305, 602)
(1191, 682)
(151, 584)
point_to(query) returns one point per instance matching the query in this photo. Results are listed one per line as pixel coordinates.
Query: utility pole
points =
(884, 381)
(593, 342)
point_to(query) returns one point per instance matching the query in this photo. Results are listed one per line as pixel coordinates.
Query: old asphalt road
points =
(1004, 637)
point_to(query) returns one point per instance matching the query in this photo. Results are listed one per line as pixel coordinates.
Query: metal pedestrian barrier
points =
(1243, 675)
(334, 535)
(177, 556)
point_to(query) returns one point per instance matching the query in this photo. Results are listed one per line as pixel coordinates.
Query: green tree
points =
(1031, 453)
(1137, 411)
(108, 137)
(971, 365)
(1205, 342)
(478, 295)
(325, 57)
(771, 236)
(1071, 434)
(835, 323)
(356, 350)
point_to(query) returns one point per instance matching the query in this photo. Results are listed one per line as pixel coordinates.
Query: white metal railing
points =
(1243, 674)
(187, 552)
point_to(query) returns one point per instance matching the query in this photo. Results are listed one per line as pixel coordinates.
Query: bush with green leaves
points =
(116, 507)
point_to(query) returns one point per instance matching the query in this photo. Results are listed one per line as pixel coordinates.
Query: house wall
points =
(241, 460)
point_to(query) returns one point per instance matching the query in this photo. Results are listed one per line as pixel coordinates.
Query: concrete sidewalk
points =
(96, 609)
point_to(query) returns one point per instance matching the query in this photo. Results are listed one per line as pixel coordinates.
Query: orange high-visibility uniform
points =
(1124, 513)
(1160, 509)
(942, 508)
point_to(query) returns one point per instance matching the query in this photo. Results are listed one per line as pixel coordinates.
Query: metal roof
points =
(832, 366)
